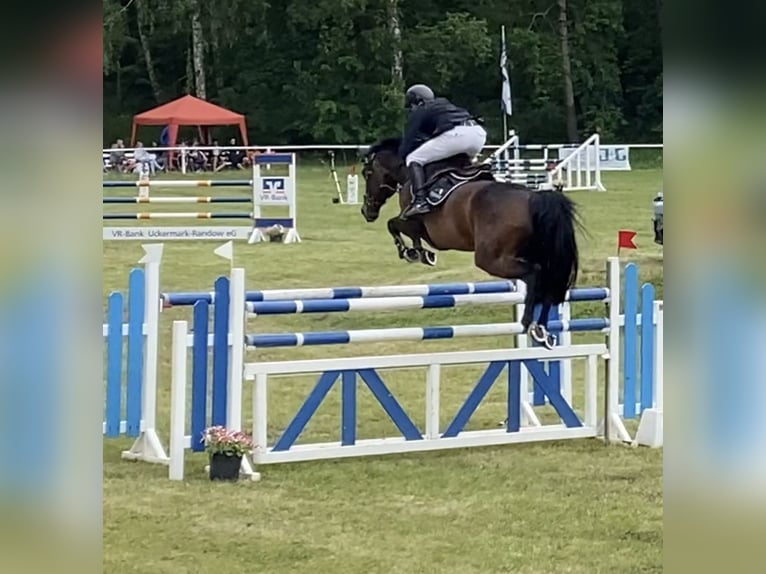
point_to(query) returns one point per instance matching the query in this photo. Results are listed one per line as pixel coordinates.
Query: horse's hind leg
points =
(511, 267)
(539, 330)
(530, 280)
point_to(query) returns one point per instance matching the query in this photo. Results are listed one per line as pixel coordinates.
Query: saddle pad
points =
(443, 186)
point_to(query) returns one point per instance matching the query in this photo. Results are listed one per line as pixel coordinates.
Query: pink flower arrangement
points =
(221, 440)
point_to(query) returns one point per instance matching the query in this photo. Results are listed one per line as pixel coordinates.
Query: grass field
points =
(573, 506)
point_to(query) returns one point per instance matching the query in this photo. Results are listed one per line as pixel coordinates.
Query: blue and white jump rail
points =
(271, 188)
(543, 377)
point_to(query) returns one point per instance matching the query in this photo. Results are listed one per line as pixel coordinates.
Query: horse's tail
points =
(553, 245)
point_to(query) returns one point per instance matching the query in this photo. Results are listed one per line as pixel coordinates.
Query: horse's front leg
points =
(409, 254)
(414, 229)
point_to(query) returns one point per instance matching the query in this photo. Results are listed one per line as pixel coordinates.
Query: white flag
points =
(226, 250)
(506, 95)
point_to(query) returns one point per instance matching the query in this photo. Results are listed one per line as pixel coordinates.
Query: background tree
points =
(334, 71)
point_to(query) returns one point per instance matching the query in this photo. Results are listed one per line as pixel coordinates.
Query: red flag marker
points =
(625, 239)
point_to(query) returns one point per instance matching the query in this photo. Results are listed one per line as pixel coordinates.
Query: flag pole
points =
(227, 252)
(505, 115)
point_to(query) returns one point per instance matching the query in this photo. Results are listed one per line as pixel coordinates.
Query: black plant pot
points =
(224, 467)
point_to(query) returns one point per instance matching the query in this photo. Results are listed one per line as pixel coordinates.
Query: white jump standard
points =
(277, 190)
(576, 167)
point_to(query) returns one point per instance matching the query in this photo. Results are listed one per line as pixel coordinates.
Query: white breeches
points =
(460, 139)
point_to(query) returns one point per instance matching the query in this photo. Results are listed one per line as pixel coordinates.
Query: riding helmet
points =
(417, 95)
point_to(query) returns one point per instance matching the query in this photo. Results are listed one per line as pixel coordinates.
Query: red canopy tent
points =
(188, 111)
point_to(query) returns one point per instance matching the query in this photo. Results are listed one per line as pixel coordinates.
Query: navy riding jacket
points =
(430, 120)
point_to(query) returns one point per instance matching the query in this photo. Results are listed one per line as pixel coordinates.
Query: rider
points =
(436, 129)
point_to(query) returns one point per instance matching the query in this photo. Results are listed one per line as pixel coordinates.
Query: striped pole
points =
(174, 215)
(199, 199)
(413, 302)
(422, 290)
(379, 303)
(181, 183)
(414, 333)
(323, 295)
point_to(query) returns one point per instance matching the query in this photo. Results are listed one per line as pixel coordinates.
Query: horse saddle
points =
(440, 185)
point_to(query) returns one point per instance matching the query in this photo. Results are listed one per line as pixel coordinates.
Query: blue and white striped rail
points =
(293, 296)
(379, 303)
(414, 333)
(404, 302)
(350, 292)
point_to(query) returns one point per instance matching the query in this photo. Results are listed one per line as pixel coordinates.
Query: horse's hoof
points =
(541, 335)
(428, 257)
(550, 341)
(411, 255)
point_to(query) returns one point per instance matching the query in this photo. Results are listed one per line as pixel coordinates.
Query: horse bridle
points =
(377, 203)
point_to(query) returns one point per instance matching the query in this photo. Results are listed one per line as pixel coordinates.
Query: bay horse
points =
(514, 232)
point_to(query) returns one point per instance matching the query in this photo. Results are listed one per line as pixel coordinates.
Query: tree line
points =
(334, 71)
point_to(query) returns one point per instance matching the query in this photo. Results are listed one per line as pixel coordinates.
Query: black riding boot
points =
(419, 204)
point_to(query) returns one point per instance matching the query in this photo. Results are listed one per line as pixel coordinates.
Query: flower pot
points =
(224, 467)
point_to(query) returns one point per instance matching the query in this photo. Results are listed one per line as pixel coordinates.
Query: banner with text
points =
(613, 157)
(179, 233)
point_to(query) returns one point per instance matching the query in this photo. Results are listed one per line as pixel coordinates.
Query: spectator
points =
(197, 157)
(219, 157)
(144, 158)
(117, 159)
(162, 156)
(165, 136)
(182, 153)
(236, 156)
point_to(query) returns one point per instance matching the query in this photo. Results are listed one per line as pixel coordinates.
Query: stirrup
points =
(417, 208)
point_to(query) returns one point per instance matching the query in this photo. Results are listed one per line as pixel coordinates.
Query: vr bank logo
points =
(272, 184)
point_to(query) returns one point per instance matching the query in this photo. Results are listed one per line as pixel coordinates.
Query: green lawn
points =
(569, 506)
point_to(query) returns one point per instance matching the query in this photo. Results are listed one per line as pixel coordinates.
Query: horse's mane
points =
(387, 144)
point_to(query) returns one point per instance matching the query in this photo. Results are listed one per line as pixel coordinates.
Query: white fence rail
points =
(183, 152)
(328, 147)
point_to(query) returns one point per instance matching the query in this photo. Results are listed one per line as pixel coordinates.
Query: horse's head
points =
(383, 174)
